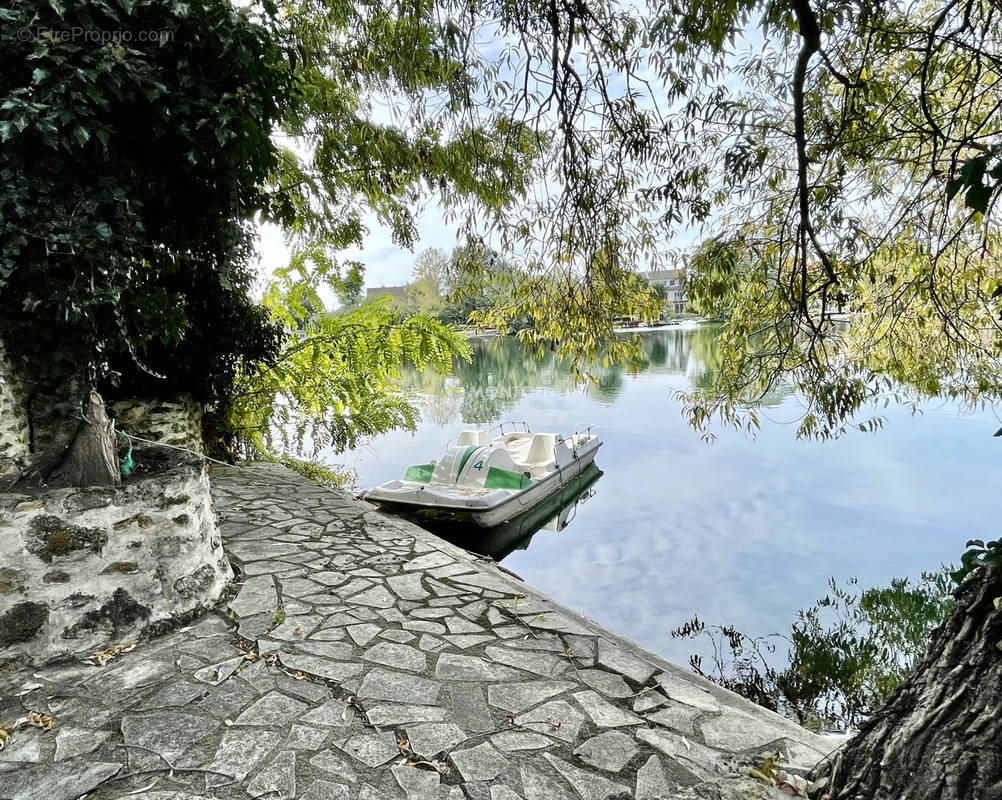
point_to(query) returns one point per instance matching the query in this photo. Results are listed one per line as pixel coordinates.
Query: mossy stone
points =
(11, 580)
(22, 622)
(120, 613)
(51, 537)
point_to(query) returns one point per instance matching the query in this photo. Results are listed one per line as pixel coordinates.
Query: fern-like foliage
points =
(335, 380)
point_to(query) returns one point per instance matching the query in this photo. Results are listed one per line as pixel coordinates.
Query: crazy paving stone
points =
(401, 713)
(418, 784)
(556, 718)
(652, 781)
(607, 683)
(408, 586)
(455, 667)
(363, 633)
(538, 785)
(378, 597)
(312, 691)
(331, 714)
(431, 613)
(299, 587)
(618, 659)
(352, 587)
(63, 781)
(295, 628)
(587, 784)
(394, 635)
(584, 647)
(469, 708)
(423, 625)
(473, 610)
(610, 751)
(430, 738)
(517, 697)
(428, 561)
(179, 693)
(257, 596)
(430, 644)
(166, 732)
(603, 713)
(464, 640)
(399, 656)
(678, 718)
(227, 698)
(273, 709)
(514, 741)
(241, 750)
(460, 625)
(499, 792)
(382, 684)
(277, 779)
(480, 763)
(327, 635)
(541, 663)
(325, 790)
(217, 673)
(338, 651)
(695, 757)
(22, 751)
(325, 668)
(329, 762)
(329, 578)
(647, 700)
(685, 691)
(305, 737)
(372, 749)
(72, 742)
(259, 675)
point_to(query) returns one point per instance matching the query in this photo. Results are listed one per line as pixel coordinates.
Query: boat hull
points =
(488, 512)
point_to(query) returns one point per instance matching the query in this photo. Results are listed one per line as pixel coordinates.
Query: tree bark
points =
(938, 737)
(91, 459)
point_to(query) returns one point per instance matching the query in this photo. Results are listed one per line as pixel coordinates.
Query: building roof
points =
(383, 291)
(654, 275)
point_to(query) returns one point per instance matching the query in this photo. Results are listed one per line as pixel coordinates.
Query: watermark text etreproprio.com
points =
(94, 35)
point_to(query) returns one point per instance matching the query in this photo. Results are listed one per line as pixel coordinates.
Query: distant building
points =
(400, 292)
(670, 281)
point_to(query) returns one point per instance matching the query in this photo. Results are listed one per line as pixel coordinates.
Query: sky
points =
(386, 264)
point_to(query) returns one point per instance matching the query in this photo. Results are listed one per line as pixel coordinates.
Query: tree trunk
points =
(939, 735)
(91, 459)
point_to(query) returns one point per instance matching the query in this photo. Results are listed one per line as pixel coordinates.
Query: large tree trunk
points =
(939, 737)
(91, 459)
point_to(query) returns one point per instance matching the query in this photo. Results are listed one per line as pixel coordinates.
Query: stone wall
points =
(82, 569)
(177, 423)
(13, 421)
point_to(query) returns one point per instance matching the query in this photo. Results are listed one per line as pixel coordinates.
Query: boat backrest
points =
(541, 450)
(476, 438)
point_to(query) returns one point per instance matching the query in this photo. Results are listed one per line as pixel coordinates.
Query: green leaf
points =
(953, 187)
(977, 198)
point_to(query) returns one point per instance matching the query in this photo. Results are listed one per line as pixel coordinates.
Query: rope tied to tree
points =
(128, 464)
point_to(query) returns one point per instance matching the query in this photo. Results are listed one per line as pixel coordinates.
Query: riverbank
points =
(360, 657)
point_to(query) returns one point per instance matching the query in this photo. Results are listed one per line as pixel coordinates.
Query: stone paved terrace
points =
(358, 645)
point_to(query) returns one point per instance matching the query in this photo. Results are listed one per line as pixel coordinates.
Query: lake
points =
(741, 531)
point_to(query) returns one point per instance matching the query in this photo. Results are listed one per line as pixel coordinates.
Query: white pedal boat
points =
(493, 479)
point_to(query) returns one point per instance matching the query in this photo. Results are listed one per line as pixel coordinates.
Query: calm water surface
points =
(740, 531)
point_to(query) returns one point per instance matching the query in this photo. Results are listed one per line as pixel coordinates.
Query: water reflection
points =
(741, 531)
(553, 514)
(503, 374)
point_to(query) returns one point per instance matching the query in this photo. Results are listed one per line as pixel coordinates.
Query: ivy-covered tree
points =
(135, 138)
